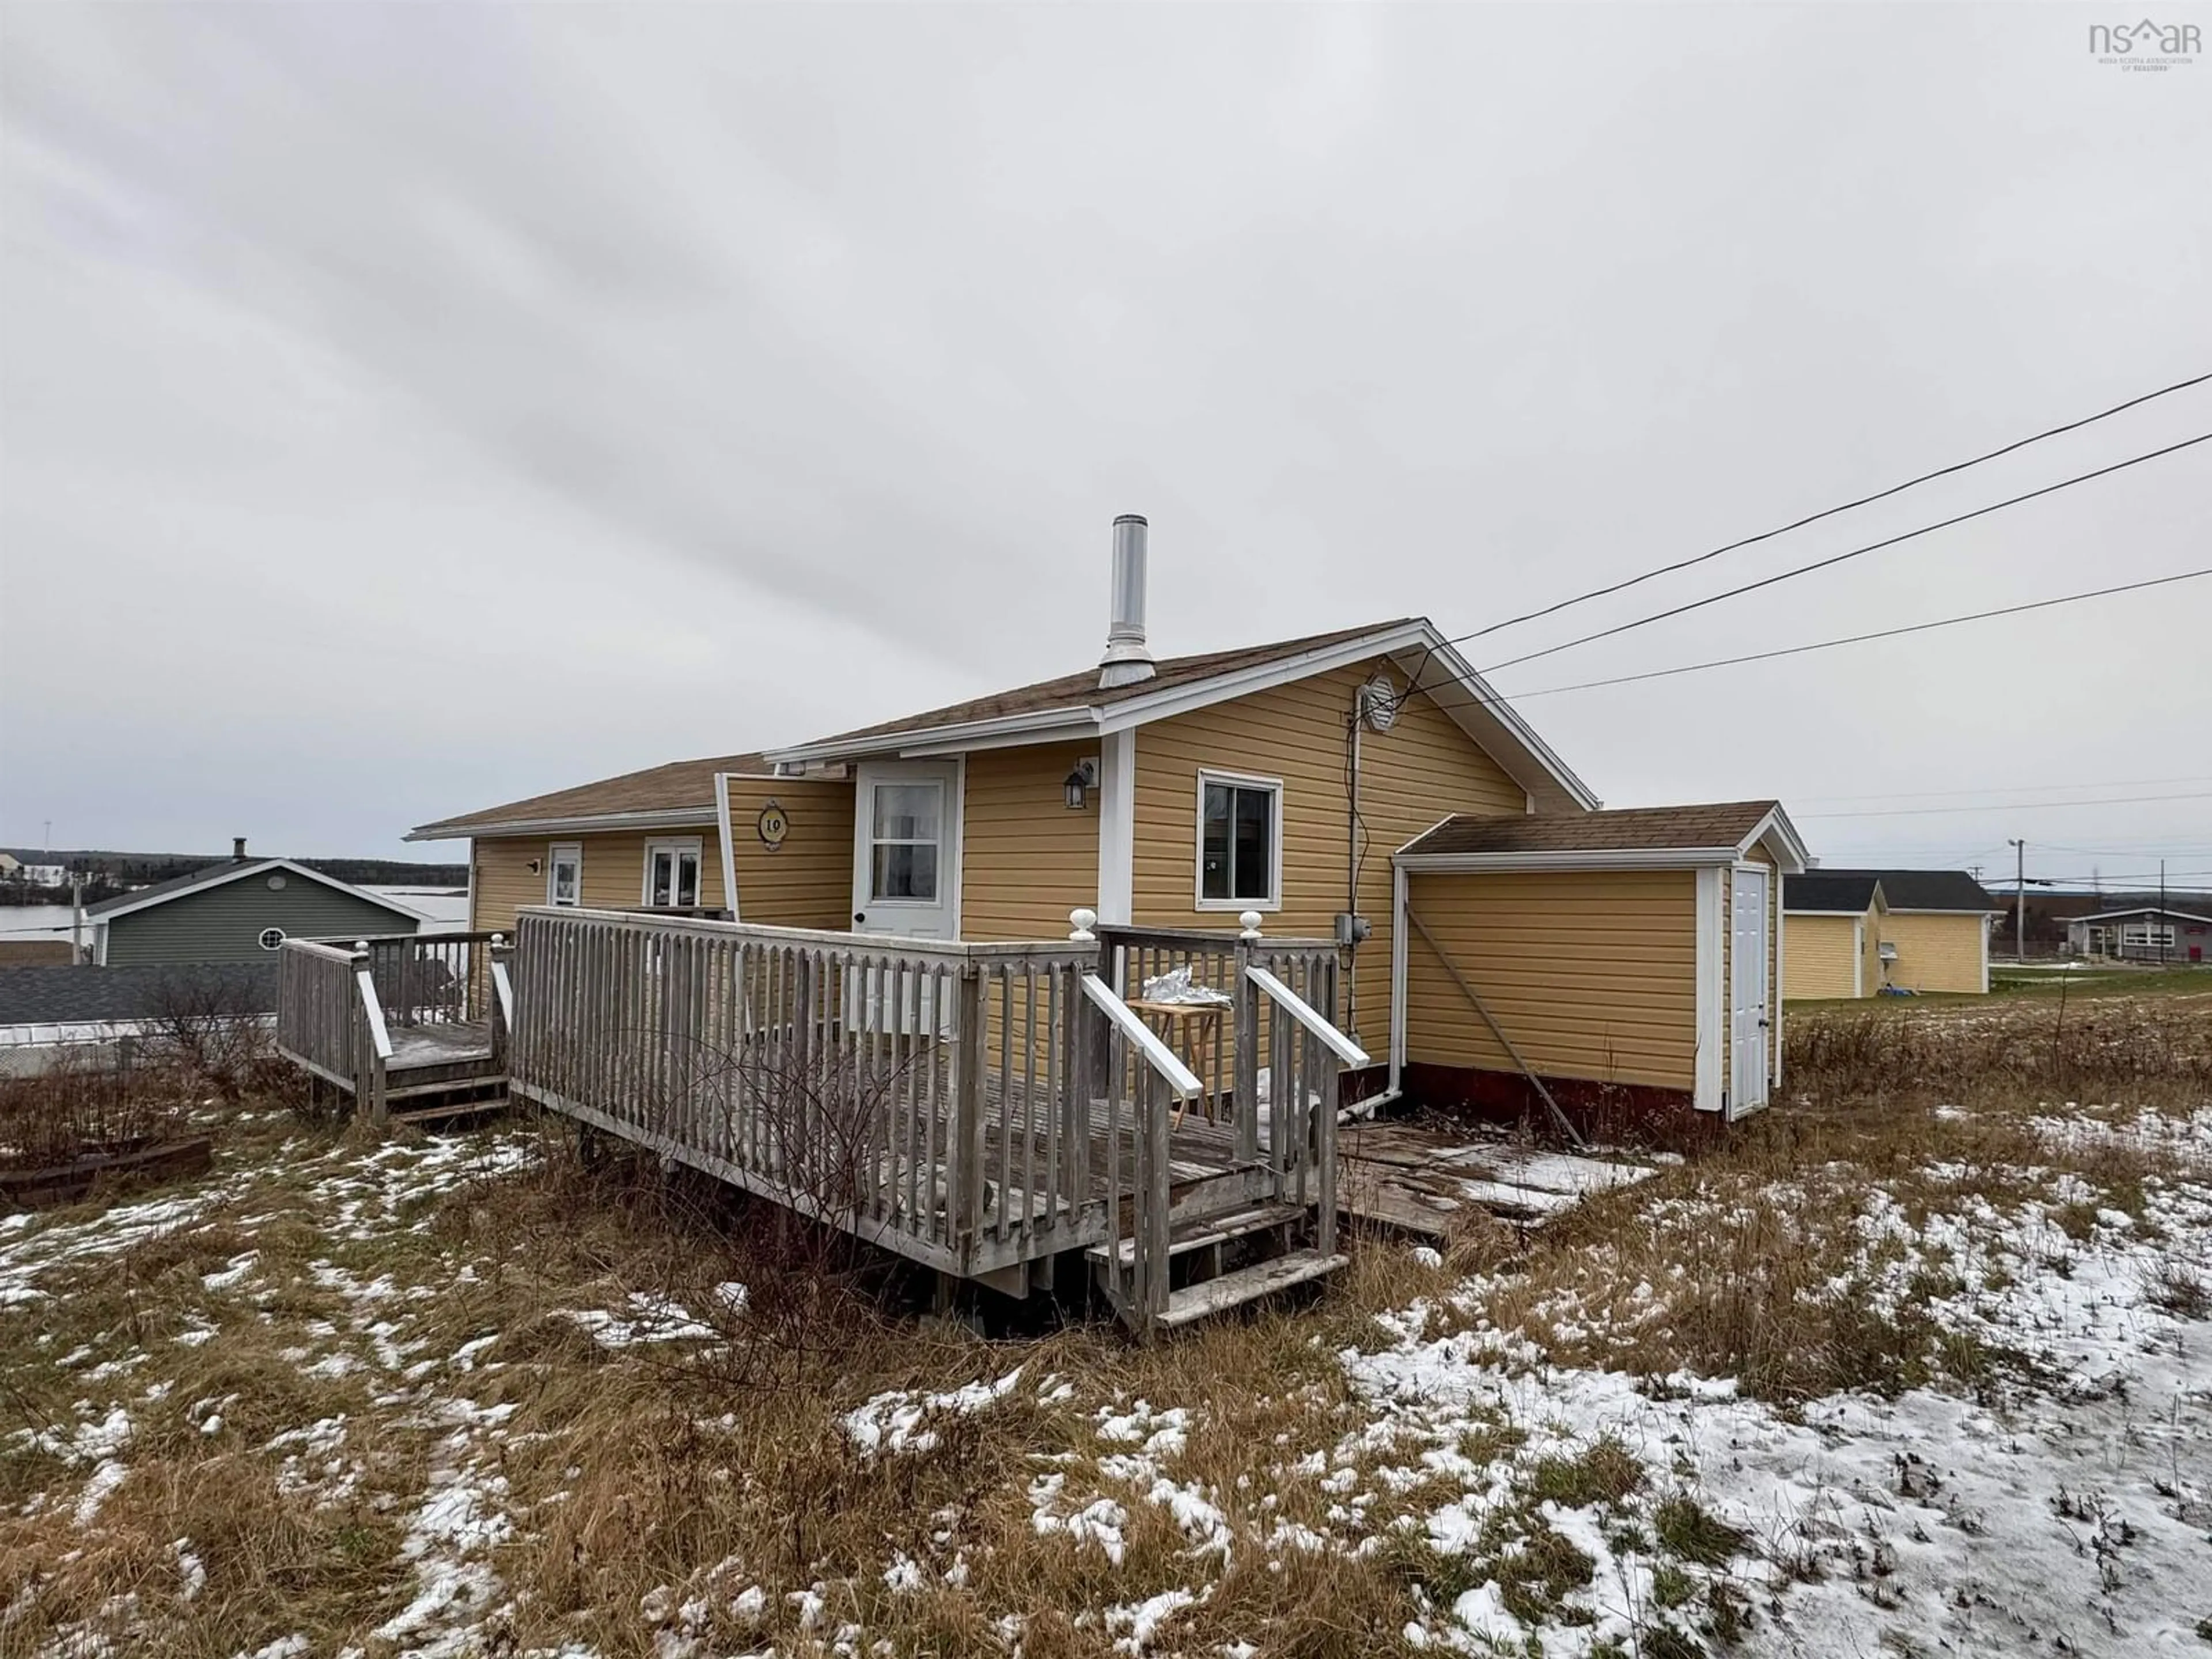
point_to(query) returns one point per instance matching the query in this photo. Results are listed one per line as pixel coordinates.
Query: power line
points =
(1830, 512)
(1861, 638)
(1852, 553)
(2002, 807)
(1980, 789)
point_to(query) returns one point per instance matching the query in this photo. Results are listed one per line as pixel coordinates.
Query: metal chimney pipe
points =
(1128, 660)
(238, 849)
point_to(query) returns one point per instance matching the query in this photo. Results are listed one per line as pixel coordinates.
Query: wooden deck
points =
(983, 1108)
(1423, 1178)
(410, 1021)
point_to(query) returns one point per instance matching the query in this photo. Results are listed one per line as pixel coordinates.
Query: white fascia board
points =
(673, 818)
(1652, 857)
(1068, 731)
(1261, 676)
(728, 849)
(1790, 853)
(1711, 992)
(2001, 910)
(1442, 651)
(1796, 911)
(257, 867)
(944, 739)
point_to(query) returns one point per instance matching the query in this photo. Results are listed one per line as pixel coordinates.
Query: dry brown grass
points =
(632, 1475)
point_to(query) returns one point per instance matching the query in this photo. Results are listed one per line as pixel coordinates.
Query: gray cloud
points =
(407, 407)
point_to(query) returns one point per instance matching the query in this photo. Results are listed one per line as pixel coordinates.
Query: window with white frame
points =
(2149, 936)
(1240, 843)
(672, 874)
(564, 873)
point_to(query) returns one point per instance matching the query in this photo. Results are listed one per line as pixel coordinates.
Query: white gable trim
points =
(255, 867)
(1536, 763)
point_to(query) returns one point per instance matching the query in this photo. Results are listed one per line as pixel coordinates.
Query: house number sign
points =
(774, 825)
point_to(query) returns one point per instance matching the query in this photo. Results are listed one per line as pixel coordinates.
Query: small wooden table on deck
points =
(1201, 1023)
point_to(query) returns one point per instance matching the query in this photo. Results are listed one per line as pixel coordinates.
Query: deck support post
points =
(1244, 1089)
(969, 1062)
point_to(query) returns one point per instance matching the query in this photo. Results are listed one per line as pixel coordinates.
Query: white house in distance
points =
(2144, 933)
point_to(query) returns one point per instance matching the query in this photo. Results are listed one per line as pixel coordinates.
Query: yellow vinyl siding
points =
(1819, 958)
(1424, 768)
(1935, 952)
(808, 881)
(613, 872)
(1025, 860)
(1592, 974)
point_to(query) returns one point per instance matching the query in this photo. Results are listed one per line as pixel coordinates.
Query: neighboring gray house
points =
(241, 911)
(2145, 933)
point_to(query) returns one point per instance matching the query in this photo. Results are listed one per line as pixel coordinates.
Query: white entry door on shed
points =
(1748, 1020)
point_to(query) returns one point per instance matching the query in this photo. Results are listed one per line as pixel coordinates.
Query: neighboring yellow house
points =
(1835, 920)
(1934, 930)
(1180, 794)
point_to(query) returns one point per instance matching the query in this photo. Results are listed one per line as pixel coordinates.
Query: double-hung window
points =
(1240, 843)
(672, 874)
(564, 873)
(2148, 936)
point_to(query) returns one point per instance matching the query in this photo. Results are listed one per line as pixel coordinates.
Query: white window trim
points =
(695, 845)
(1241, 781)
(554, 851)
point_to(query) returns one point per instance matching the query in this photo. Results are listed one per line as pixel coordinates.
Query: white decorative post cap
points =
(1249, 922)
(1083, 922)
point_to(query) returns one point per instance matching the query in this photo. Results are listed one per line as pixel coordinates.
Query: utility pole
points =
(77, 919)
(2161, 913)
(2020, 901)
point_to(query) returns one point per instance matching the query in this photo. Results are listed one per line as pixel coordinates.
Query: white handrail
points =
(374, 1010)
(498, 983)
(1181, 1080)
(1298, 1009)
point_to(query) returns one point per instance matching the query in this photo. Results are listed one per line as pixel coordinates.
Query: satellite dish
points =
(1378, 703)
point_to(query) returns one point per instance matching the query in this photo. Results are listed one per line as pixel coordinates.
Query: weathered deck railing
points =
(976, 1107)
(913, 1092)
(433, 979)
(1142, 1068)
(1262, 1075)
(329, 1021)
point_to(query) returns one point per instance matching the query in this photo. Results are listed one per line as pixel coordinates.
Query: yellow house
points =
(1835, 920)
(1935, 930)
(1185, 793)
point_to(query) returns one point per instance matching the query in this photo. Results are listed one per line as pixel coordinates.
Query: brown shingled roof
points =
(1081, 690)
(678, 786)
(683, 785)
(1625, 830)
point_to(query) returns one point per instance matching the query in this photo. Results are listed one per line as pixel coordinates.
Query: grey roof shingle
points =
(1928, 890)
(68, 995)
(1829, 890)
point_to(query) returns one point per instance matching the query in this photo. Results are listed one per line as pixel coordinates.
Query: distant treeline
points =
(110, 873)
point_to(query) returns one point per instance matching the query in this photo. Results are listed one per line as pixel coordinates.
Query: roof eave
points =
(671, 817)
(1576, 858)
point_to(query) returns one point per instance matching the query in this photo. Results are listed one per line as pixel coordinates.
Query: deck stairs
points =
(1219, 1261)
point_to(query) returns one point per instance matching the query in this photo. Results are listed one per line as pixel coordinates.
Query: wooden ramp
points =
(1418, 1177)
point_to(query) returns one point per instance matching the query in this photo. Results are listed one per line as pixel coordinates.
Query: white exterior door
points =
(1748, 1019)
(906, 849)
(906, 877)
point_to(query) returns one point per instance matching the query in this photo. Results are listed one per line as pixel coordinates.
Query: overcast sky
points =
(410, 408)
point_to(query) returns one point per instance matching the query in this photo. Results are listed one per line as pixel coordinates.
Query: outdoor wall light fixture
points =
(1080, 783)
(534, 866)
